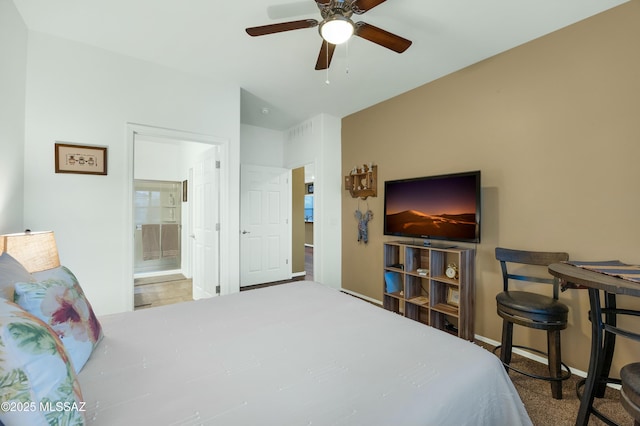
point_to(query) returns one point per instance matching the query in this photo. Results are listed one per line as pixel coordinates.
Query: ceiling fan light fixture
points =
(337, 29)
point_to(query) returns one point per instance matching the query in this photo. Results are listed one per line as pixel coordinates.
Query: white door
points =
(205, 225)
(265, 241)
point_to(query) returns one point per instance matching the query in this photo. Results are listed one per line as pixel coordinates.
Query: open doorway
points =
(165, 256)
(309, 207)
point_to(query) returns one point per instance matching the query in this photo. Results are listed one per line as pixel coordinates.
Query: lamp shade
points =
(336, 30)
(36, 251)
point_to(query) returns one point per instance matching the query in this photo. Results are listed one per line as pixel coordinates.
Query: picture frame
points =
(80, 159)
(185, 187)
(453, 296)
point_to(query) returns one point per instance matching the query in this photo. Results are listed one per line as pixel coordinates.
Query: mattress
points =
(292, 354)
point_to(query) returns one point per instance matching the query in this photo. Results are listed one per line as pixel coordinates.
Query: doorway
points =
(309, 214)
(277, 215)
(160, 155)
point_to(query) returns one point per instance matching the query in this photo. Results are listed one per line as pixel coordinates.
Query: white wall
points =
(13, 70)
(261, 147)
(77, 93)
(165, 160)
(318, 142)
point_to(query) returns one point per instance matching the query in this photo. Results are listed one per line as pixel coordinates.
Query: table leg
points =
(594, 359)
(610, 318)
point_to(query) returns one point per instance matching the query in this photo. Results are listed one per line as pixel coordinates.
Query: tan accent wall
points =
(297, 220)
(308, 233)
(554, 126)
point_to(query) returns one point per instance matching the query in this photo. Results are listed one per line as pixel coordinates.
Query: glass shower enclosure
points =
(158, 227)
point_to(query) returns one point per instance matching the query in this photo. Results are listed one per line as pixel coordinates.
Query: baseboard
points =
(529, 355)
(361, 296)
(298, 274)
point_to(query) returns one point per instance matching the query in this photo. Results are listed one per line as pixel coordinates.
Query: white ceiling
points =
(276, 72)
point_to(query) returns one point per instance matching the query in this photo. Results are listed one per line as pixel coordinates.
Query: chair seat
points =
(630, 377)
(532, 310)
(531, 302)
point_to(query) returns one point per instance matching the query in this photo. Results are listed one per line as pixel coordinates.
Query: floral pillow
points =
(38, 385)
(60, 302)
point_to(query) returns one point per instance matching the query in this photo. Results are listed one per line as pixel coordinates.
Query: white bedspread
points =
(293, 354)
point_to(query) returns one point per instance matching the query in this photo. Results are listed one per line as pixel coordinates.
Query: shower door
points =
(158, 226)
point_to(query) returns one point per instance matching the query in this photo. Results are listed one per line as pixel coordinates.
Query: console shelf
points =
(415, 285)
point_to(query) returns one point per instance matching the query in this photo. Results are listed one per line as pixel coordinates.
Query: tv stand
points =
(416, 286)
(439, 245)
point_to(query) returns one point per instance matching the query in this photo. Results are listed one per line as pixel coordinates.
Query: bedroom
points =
(599, 182)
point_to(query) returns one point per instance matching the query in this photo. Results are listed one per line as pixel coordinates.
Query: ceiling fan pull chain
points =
(347, 60)
(327, 51)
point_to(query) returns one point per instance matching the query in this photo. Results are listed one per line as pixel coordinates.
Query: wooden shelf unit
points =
(423, 296)
(363, 183)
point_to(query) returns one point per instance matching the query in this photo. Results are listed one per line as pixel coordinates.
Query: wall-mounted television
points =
(444, 207)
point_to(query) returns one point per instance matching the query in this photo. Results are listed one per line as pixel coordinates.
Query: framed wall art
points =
(82, 159)
(453, 296)
(185, 188)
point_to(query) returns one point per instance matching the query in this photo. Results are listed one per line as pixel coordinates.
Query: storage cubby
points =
(416, 285)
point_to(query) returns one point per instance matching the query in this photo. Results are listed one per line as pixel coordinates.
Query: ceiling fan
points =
(337, 27)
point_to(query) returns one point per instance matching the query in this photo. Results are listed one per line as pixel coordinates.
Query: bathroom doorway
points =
(158, 227)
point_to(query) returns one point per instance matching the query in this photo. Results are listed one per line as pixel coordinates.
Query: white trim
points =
(133, 129)
(361, 296)
(529, 355)
(298, 274)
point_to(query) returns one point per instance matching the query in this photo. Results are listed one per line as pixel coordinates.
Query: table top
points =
(592, 279)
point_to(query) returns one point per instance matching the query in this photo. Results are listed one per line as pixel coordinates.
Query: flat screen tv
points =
(444, 207)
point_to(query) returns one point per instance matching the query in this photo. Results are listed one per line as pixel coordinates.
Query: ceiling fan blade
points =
(325, 55)
(382, 37)
(284, 26)
(361, 6)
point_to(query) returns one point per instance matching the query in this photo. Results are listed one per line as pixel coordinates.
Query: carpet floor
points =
(546, 411)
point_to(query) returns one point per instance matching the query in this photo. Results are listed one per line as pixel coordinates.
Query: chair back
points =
(539, 258)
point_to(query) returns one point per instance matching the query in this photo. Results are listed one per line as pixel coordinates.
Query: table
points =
(603, 328)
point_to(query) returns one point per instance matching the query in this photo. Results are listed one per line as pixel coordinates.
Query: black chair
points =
(630, 394)
(533, 310)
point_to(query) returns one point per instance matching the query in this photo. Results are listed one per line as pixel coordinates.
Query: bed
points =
(292, 354)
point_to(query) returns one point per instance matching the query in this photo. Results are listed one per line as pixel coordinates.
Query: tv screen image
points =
(444, 207)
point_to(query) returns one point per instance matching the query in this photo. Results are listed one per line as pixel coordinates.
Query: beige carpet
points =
(546, 411)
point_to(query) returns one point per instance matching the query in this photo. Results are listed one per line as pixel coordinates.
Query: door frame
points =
(133, 130)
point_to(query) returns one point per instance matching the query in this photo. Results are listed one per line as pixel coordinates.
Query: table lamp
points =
(36, 251)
